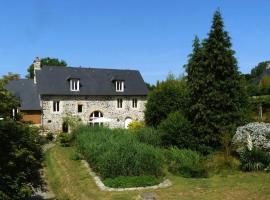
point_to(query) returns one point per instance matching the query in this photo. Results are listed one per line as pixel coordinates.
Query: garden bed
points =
(164, 184)
(114, 154)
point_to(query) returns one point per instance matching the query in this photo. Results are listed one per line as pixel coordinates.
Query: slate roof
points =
(26, 91)
(93, 81)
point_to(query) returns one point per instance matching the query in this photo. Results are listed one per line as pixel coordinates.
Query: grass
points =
(69, 180)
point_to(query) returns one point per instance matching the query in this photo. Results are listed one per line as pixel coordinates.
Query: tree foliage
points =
(45, 62)
(20, 160)
(176, 130)
(7, 100)
(258, 70)
(168, 96)
(217, 98)
(20, 152)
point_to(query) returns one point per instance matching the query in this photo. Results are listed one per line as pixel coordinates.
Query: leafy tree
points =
(20, 158)
(258, 70)
(20, 152)
(45, 62)
(8, 101)
(168, 96)
(265, 82)
(10, 76)
(218, 100)
(149, 86)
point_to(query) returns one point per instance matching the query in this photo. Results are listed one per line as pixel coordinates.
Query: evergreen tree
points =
(217, 99)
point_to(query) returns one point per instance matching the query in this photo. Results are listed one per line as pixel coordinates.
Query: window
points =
(134, 103)
(80, 108)
(94, 118)
(74, 85)
(119, 86)
(119, 103)
(56, 106)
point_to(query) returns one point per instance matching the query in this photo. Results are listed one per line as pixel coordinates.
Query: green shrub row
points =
(131, 181)
(185, 162)
(116, 152)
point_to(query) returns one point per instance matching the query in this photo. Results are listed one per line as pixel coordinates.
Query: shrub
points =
(113, 153)
(176, 131)
(148, 136)
(64, 139)
(135, 125)
(216, 163)
(50, 136)
(186, 163)
(254, 160)
(131, 181)
(169, 96)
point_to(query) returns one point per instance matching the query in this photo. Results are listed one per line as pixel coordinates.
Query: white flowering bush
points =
(255, 134)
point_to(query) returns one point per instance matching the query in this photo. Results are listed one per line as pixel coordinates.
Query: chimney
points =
(37, 66)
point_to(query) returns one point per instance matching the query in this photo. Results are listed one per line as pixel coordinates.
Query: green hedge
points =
(116, 152)
(131, 181)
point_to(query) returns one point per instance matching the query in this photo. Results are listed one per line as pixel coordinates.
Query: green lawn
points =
(69, 179)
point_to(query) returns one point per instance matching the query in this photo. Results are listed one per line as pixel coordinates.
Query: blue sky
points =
(153, 36)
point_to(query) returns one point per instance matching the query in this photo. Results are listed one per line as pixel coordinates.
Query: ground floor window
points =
(94, 118)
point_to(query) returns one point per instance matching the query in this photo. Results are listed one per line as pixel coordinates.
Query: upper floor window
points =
(134, 103)
(56, 107)
(119, 103)
(119, 86)
(74, 85)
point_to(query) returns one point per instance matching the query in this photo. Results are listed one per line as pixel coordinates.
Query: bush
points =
(131, 181)
(64, 139)
(186, 163)
(216, 163)
(148, 136)
(116, 152)
(50, 136)
(135, 125)
(254, 160)
(176, 131)
(169, 96)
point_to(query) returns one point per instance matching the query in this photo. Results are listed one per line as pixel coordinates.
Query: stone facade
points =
(107, 105)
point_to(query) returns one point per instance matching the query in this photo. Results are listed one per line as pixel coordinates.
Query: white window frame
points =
(134, 103)
(74, 85)
(56, 105)
(119, 86)
(119, 103)
(92, 116)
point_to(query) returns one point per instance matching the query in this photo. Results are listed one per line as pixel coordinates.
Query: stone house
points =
(111, 97)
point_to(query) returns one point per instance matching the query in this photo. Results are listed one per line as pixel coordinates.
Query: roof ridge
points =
(93, 68)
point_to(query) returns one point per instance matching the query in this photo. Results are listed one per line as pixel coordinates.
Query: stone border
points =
(166, 183)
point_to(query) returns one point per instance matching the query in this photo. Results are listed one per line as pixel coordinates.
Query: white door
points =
(127, 121)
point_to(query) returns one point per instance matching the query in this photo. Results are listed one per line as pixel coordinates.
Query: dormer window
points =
(74, 85)
(119, 86)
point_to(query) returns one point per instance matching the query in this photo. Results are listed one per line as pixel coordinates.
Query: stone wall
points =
(105, 104)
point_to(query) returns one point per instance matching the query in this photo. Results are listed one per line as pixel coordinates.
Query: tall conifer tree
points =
(218, 101)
